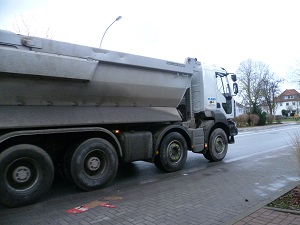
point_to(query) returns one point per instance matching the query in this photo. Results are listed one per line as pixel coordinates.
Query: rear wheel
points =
(66, 168)
(173, 153)
(94, 164)
(218, 145)
(26, 174)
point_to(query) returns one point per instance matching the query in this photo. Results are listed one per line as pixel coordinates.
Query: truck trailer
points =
(83, 111)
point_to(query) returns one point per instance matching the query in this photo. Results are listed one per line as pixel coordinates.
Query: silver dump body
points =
(44, 78)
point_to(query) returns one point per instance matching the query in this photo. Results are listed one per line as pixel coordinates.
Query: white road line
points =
(247, 133)
(257, 153)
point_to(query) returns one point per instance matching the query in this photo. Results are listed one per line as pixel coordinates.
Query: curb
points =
(296, 212)
(263, 205)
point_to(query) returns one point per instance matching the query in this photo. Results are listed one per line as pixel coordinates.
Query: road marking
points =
(257, 153)
(247, 133)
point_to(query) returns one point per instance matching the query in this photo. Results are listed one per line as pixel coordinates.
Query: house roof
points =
(289, 92)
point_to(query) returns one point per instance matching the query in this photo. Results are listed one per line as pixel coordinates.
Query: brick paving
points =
(267, 216)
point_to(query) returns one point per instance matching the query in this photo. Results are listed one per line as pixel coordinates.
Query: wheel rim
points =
(174, 151)
(95, 163)
(22, 174)
(219, 145)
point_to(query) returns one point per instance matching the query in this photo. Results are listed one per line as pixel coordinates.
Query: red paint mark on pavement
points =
(85, 207)
(78, 209)
(107, 205)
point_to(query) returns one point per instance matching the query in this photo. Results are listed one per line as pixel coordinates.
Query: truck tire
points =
(66, 168)
(173, 153)
(218, 145)
(94, 164)
(26, 174)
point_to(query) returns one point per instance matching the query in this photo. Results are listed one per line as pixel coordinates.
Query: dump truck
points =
(83, 111)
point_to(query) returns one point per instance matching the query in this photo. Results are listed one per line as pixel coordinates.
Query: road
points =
(261, 141)
(253, 143)
(260, 165)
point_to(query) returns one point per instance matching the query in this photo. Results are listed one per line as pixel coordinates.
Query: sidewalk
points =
(267, 215)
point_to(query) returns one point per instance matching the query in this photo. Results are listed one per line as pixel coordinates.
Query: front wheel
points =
(93, 164)
(26, 174)
(173, 153)
(218, 145)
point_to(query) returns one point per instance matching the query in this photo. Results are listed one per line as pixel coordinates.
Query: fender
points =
(159, 135)
(14, 134)
(214, 119)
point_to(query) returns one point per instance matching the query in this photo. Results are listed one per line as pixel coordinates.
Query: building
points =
(288, 100)
(239, 109)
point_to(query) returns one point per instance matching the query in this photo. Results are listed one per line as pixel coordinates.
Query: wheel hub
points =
(21, 174)
(174, 152)
(219, 145)
(93, 163)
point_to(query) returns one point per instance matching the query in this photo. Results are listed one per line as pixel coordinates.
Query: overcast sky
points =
(220, 32)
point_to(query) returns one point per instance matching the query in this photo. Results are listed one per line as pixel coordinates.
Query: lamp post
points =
(118, 18)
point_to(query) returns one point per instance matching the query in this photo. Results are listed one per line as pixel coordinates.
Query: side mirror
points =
(235, 88)
(233, 77)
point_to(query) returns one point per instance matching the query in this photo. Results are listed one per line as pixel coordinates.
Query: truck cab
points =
(209, 105)
(218, 94)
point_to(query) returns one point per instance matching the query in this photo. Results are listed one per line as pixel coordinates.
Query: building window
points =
(294, 103)
(289, 97)
(287, 104)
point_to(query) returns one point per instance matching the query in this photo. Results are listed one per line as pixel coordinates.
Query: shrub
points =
(254, 119)
(244, 119)
(262, 115)
(241, 120)
(262, 118)
(278, 118)
(284, 112)
(236, 120)
(270, 118)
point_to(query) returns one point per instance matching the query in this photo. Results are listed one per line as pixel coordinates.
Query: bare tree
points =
(251, 76)
(31, 28)
(270, 90)
(295, 72)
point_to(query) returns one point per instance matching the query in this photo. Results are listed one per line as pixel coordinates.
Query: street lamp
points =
(118, 18)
